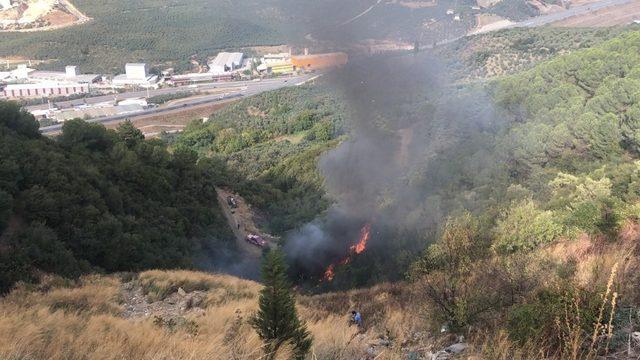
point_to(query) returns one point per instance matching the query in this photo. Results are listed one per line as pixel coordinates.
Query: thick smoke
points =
(409, 131)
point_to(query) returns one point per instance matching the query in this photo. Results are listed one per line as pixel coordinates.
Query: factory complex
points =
(25, 82)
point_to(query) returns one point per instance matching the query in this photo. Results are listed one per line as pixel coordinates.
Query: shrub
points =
(524, 227)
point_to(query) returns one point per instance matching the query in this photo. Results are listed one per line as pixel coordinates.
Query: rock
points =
(181, 292)
(197, 300)
(456, 348)
(441, 355)
(384, 342)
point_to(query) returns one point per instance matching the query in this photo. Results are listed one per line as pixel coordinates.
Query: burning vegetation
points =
(355, 249)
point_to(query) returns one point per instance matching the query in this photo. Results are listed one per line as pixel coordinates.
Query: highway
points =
(236, 89)
(154, 92)
(542, 20)
(560, 15)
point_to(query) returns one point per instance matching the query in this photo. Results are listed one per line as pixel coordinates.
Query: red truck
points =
(256, 240)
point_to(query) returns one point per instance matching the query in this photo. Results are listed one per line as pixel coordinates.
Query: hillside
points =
(510, 51)
(39, 15)
(168, 33)
(501, 216)
(100, 200)
(270, 145)
(148, 316)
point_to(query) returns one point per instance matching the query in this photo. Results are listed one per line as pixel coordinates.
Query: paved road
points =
(154, 92)
(562, 15)
(235, 89)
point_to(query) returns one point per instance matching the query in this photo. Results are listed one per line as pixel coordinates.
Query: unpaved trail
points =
(241, 222)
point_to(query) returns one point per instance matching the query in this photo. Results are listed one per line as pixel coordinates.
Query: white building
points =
(22, 72)
(136, 71)
(270, 59)
(226, 62)
(43, 89)
(5, 4)
(70, 74)
(135, 74)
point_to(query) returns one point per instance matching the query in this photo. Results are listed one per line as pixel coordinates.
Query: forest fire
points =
(357, 248)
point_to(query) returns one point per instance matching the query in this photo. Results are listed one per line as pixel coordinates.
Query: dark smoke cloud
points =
(407, 126)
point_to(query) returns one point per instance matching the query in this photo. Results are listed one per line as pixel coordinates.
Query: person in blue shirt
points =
(356, 318)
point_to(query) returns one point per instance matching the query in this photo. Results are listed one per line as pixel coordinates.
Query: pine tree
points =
(277, 321)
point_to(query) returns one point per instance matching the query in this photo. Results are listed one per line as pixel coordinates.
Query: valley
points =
(423, 180)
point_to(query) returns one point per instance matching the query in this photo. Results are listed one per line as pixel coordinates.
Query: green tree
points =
(277, 320)
(129, 134)
(524, 227)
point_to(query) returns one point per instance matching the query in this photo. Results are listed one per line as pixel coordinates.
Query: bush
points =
(524, 227)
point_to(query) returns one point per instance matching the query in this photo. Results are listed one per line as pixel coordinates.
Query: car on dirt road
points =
(256, 240)
(232, 202)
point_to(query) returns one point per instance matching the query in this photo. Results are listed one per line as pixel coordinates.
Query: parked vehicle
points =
(256, 240)
(232, 202)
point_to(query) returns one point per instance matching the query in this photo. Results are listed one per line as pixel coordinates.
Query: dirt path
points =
(241, 221)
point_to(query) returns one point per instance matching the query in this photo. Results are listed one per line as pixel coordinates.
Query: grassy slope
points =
(85, 320)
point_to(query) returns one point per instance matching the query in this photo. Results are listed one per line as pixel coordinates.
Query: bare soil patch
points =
(153, 125)
(58, 17)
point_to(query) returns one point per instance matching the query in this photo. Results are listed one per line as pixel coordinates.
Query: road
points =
(361, 14)
(236, 89)
(543, 19)
(562, 15)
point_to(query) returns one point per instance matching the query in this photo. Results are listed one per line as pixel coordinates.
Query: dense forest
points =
(549, 254)
(99, 200)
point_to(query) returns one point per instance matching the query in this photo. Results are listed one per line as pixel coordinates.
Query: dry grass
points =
(84, 320)
(157, 285)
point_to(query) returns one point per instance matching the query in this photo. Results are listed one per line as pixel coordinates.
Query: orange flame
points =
(361, 245)
(357, 248)
(329, 274)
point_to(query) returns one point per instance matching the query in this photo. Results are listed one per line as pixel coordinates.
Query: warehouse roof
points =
(62, 76)
(227, 59)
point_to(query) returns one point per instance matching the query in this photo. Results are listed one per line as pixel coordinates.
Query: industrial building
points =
(282, 68)
(319, 61)
(279, 63)
(71, 74)
(43, 89)
(225, 62)
(135, 74)
(5, 4)
(279, 58)
(25, 82)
